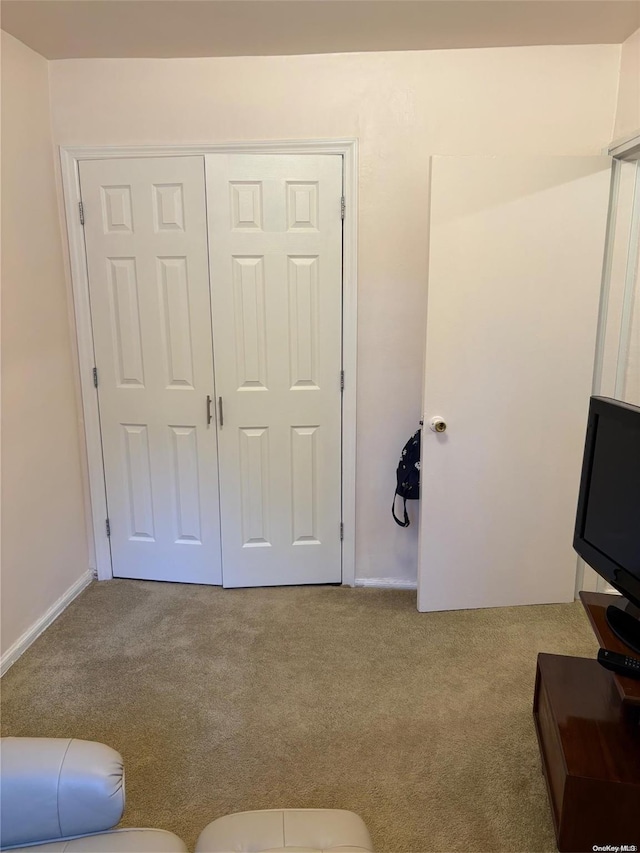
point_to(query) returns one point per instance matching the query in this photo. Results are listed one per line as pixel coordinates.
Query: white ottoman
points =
(286, 831)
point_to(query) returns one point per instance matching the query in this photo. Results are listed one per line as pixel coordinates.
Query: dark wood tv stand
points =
(588, 724)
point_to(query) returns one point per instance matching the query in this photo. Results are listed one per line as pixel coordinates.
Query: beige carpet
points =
(222, 701)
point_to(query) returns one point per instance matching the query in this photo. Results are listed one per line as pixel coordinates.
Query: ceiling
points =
(62, 29)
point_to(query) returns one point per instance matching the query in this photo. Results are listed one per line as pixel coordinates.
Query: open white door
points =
(146, 240)
(516, 250)
(276, 283)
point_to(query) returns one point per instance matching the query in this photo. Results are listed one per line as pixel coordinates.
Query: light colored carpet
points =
(222, 701)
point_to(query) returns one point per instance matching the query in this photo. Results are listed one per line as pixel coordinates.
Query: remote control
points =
(620, 664)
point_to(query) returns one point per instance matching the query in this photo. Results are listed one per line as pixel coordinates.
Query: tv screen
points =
(607, 533)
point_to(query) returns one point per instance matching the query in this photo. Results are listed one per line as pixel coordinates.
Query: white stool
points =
(286, 831)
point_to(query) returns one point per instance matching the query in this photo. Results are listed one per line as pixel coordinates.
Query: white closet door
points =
(516, 251)
(276, 261)
(146, 240)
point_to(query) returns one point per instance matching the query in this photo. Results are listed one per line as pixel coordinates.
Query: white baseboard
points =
(387, 583)
(22, 643)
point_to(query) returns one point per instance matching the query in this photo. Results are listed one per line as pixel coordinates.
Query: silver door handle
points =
(209, 401)
(220, 412)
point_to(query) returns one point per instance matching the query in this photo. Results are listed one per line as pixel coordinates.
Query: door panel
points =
(276, 264)
(516, 250)
(146, 240)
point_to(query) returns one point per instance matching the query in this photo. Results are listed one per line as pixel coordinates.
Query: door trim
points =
(70, 156)
(626, 156)
(627, 148)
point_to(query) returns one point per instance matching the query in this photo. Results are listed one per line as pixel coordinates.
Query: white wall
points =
(403, 107)
(628, 110)
(44, 548)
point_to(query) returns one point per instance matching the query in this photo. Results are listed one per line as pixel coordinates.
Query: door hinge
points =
(343, 207)
(95, 377)
(107, 526)
(341, 530)
(81, 211)
(342, 380)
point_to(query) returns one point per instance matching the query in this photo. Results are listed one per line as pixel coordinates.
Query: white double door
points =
(229, 475)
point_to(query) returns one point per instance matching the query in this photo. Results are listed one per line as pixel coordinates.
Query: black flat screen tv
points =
(607, 532)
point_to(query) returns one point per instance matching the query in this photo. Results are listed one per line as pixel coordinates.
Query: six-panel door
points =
(274, 238)
(146, 241)
(276, 264)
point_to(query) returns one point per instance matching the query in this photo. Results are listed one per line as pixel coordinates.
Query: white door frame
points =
(69, 160)
(626, 150)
